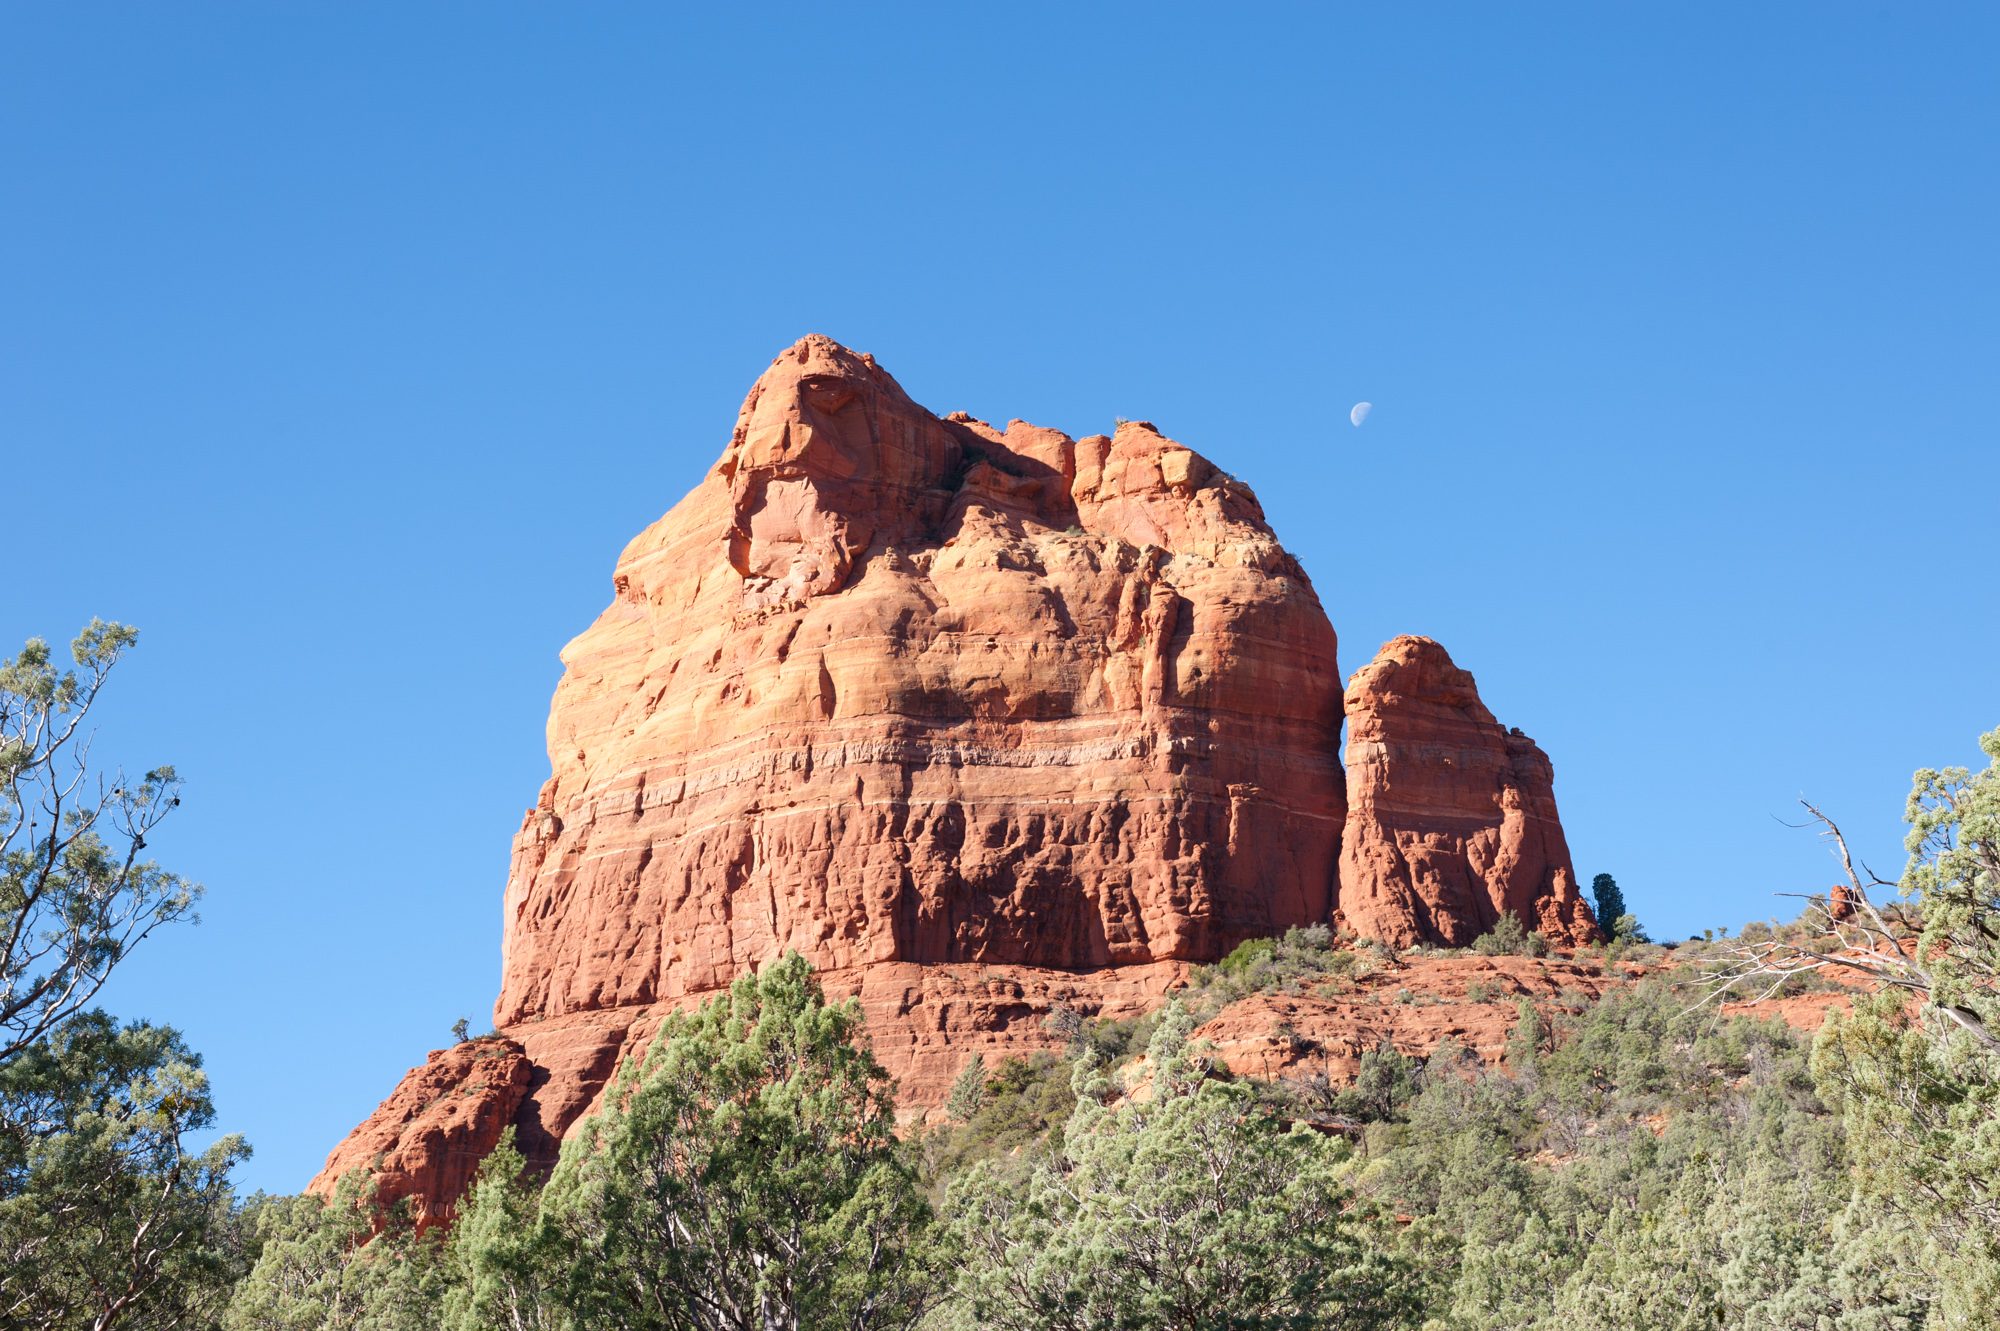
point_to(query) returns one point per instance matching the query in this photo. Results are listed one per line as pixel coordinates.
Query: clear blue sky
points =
(342, 346)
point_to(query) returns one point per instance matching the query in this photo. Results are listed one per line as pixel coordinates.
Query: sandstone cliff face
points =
(890, 688)
(984, 722)
(1451, 819)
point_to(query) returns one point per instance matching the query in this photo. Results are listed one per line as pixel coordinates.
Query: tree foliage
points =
(1646, 1167)
(76, 892)
(1192, 1207)
(1510, 937)
(109, 1215)
(504, 1269)
(321, 1267)
(1634, 1163)
(1954, 876)
(1608, 900)
(745, 1176)
(1916, 1071)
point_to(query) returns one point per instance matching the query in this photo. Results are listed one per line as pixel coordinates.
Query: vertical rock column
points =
(1451, 819)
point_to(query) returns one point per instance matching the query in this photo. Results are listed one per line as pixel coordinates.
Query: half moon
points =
(1360, 413)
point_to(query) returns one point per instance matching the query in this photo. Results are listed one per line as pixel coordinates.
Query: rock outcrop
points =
(426, 1140)
(1413, 1003)
(892, 688)
(984, 722)
(1451, 819)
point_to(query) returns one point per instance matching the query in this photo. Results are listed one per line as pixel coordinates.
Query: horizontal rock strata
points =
(987, 723)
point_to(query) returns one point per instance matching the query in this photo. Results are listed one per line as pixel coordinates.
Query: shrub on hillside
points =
(1188, 1209)
(1017, 1105)
(1510, 938)
(1301, 956)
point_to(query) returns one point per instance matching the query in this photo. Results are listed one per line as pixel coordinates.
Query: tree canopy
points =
(744, 1176)
(76, 892)
(112, 1211)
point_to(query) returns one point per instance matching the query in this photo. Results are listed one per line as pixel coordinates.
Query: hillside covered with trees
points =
(1637, 1159)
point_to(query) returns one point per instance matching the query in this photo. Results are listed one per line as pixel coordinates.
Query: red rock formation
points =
(426, 1140)
(983, 722)
(1451, 820)
(888, 688)
(1414, 1004)
(924, 1021)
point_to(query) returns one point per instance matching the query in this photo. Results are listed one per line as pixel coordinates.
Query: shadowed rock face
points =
(980, 721)
(1451, 820)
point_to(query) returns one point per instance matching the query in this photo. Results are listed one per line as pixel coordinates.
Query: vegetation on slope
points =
(1641, 1160)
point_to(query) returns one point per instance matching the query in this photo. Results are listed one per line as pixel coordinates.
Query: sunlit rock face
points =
(422, 1146)
(888, 687)
(984, 722)
(1451, 819)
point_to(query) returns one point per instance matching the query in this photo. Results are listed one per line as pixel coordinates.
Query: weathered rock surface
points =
(984, 722)
(426, 1140)
(890, 688)
(1414, 1004)
(1451, 819)
(924, 1021)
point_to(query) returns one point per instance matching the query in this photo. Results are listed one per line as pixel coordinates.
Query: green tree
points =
(503, 1274)
(1954, 876)
(321, 1266)
(1927, 1113)
(109, 1215)
(1610, 905)
(1922, 1089)
(1915, 1071)
(968, 1092)
(1188, 1207)
(1525, 1041)
(1385, 1081)
(1020, 1104)
(745, 1176)
(300, 1276)
(76, 893)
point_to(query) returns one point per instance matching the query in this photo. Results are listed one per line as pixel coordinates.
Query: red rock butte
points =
(980, 721)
